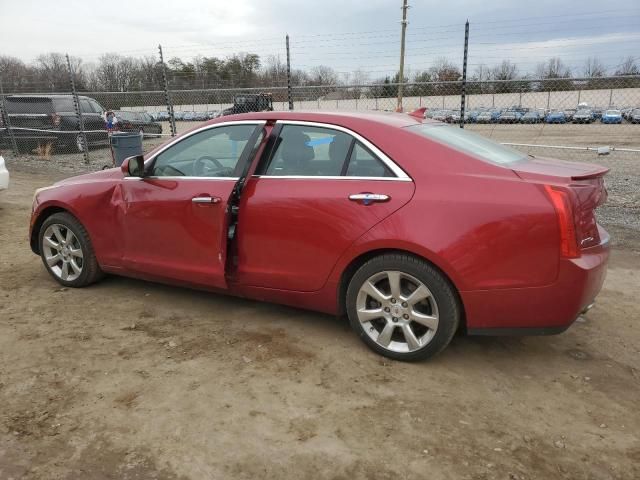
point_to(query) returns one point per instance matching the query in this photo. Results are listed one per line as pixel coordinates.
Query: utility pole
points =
(405, 7)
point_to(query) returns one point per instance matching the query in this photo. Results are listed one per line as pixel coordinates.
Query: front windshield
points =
(469, 142)
(613, 112)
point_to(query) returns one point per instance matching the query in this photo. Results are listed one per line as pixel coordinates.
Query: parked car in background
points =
(137, 122)
(162, 116)
(583, 116)
(52, 120)
(556, 117)
(4, 174)
(509, 116)
(179, 115)
(189, 116)
(634, 117)
(531, 117)
(442, 115)
(611, 116)
(485, 117)
(597, 113)
(569, 113)
(331, 217)
(250, 102)
(472, 116)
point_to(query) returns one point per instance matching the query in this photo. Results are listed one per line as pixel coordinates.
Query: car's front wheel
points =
(402, 307)
(66, 251)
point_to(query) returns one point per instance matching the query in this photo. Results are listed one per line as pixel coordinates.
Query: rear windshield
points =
(29, 105)
(469, 142)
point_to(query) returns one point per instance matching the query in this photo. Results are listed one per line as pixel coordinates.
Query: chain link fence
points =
(567, 118)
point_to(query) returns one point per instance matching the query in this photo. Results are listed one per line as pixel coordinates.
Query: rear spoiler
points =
(598, 172)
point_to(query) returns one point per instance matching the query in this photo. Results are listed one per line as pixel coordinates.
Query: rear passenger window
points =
(309, 151)
(85, 106)
(363, 163)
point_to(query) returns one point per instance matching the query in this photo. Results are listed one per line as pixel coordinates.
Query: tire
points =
(55, 230)
(372, 320)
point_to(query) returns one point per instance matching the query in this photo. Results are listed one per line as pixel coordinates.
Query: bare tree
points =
(323, 75)
(628, 67)
(593, 68)
(553, 68)
(444, 71)
(505, 71)
(482, 73)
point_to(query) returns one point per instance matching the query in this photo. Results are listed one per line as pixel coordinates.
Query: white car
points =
(4, 175)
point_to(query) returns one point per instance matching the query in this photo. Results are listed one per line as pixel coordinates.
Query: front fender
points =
(97, 204)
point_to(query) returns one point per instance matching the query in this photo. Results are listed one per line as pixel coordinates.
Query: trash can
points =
(124, 145)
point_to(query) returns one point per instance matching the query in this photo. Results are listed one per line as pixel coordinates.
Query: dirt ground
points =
(134, 380)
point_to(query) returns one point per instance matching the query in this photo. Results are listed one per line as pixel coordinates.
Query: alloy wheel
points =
(63, 252)
(397, 311)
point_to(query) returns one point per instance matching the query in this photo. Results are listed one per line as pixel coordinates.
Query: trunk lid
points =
(585, 187)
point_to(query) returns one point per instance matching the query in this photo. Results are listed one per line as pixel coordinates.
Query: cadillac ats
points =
(412, 228)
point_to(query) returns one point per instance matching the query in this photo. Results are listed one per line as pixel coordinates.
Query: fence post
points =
(167, 97)
(4, 115)
(289, 93)
(464, 73)
(78, 108)
(548, 99)
(610, 97)
(403, 33)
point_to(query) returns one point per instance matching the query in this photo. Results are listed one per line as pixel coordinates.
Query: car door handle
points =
(205, 199)
(369, 198)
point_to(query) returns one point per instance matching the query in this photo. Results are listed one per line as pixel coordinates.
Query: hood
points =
(108, 174)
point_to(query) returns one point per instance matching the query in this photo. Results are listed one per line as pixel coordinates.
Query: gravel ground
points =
(134, 380)
(620, 215)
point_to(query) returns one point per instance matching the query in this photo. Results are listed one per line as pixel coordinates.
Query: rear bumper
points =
(540, 310)
(61, 138)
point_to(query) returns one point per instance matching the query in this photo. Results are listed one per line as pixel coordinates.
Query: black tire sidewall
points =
(87, 250)
(449, 309)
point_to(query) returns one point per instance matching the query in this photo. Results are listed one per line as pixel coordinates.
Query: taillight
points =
(562, 205)
(55, 119)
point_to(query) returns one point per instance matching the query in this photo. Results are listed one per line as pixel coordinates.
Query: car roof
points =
(344, 118)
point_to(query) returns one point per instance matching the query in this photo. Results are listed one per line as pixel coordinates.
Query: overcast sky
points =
(343, 34)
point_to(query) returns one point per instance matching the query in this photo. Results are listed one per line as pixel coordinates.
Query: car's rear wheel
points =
(402, 307)
(66, 251)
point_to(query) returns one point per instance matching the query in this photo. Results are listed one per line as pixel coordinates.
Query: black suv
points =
(51, 119)
(250, 102)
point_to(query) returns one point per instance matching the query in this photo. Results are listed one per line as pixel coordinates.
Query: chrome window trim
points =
(399, 172)
(178, 177)
(202, 129)
(333, 177)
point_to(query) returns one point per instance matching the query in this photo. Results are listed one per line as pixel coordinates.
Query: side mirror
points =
(133, 166)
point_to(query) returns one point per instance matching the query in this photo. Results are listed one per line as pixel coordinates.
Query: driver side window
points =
(214, 152)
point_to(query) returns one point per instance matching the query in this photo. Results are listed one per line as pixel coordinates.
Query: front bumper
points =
(540, 310)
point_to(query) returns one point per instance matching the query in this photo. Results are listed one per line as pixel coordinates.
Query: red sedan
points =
(412, 228)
